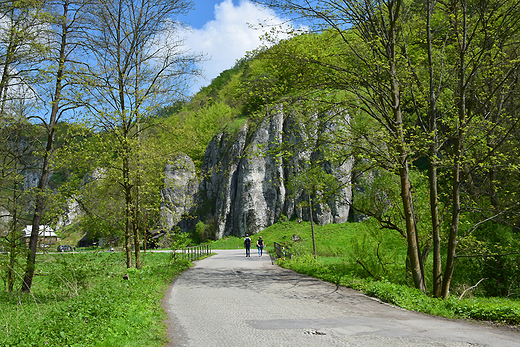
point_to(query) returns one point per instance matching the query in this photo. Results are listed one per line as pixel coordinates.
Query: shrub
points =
(205, 232)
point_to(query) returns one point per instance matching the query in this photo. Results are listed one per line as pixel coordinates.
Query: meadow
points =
(81, 299)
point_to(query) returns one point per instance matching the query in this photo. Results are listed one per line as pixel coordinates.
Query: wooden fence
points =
(195, 252)
(281, 251)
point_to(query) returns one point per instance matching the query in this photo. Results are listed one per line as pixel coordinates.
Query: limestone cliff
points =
(178, 193)
(243, 185)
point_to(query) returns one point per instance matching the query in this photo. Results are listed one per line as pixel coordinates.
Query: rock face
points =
(178, 193)
(244, 183)
(70, 215)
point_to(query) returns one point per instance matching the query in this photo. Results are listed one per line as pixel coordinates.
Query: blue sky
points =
(204, 11)
(224, 30)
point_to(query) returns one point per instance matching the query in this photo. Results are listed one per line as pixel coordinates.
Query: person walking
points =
(260, 246)
(247, 245)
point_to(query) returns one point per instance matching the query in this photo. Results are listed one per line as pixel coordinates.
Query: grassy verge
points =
(361, 256)
(498, 310)
(83, 300)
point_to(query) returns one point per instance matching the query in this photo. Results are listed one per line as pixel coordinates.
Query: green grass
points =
(371, 260)
(83, 300)
(499, 310)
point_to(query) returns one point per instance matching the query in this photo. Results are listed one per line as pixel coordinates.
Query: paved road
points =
(230, 300)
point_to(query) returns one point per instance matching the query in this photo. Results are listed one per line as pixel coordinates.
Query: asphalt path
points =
(230, 300)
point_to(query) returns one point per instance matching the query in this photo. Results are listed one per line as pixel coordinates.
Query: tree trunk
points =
(13, 240)
(406, 193)
(454, 228)
(411, 232)
(436, 234)
(433, 181)
(137, 238)
(40, 201)
(49, 152)
(457, 156)
(128, 211)
(312, 229)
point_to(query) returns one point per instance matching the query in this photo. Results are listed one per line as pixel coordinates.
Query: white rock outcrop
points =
(244, 180)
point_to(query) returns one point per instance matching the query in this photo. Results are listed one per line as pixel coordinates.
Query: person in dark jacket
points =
(260, 246)
(247, 245)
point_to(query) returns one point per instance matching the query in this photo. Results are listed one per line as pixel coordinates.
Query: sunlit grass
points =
(83, 300)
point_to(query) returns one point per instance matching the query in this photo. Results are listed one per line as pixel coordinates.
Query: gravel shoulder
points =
(231, 300)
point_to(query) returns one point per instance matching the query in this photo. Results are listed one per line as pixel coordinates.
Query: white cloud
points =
(227, 38)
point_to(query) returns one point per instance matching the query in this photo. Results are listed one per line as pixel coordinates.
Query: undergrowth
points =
(83, 300)
(500, 310)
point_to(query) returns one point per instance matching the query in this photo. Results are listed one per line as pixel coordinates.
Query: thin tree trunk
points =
(406, 194)
(457, 158)
(49, 152)
(144, 234)
(436, 234)
(312, 229)
(433, 181)
(137, 239)
(128, 210)
(14, 238)
(38, 211)
(411, 231)
(454, 228)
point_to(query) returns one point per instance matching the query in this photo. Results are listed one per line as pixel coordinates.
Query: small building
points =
(46, 235)
(153, 238)
(89, 240)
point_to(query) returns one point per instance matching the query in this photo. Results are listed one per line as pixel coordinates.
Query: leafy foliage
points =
(190, 131)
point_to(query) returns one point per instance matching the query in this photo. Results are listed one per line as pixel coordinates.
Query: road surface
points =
(229, 300)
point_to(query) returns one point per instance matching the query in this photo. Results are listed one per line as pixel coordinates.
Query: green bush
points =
(205, 232)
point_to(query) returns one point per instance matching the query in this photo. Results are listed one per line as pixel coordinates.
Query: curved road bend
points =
(229, 300)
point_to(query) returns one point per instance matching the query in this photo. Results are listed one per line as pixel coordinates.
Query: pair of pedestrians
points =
(259, 245)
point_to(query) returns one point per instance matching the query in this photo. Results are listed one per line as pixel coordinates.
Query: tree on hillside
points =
(189, 131)
(379, 60)
(484, 37)
(24, 36)
(468, 114)
(319, 186)
(19, 52)
(20, 48)
(15, 154)
(138, 65)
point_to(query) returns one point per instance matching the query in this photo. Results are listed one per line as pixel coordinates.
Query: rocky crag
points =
(178, 195)
(244, 181)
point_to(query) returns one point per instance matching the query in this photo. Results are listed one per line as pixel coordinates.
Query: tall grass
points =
(83, 300)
